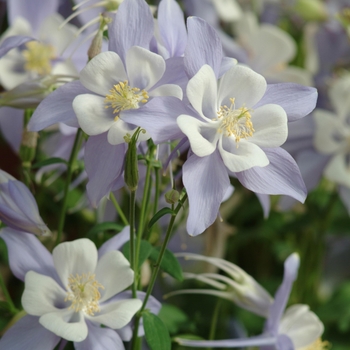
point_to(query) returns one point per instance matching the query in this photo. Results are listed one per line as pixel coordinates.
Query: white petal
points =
(118, 314)
(228, 10)
(103, 72)
(290, 75)
(66, 323)
(270, 125)
(77, 257)
(167, 90)
(201, 92)
(92, 115)
(301, 325)
(339, 96)
(41, 294)
(338, 171)
(243, 84)
(113, 271)
(118, 131)
(271, 47)
(328, 135)
(59, 38)
(144, 68)
(203, 136)
(243, 157)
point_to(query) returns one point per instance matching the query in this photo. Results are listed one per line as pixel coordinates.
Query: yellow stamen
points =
(123, 97)
(318, 344)
(84, 293)
(38, 57)
(235, 122)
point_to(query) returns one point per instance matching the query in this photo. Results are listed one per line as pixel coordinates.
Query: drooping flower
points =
(70, 293)
(294, 328)
(18, 208)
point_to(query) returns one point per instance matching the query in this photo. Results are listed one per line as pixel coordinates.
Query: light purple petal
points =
(206, 182)
(11, 126)
(281, 176)
(297, 100)
(116, 242)
(265, 202)
(158, 117)
(203, 47)
(12, 42)
(100, 339)
(291, 266)
(131, 26)
(172, 27)
(104, 165)
(28, 333)
(57, 107)
(284, 343)
(34, 11)
(26, 253)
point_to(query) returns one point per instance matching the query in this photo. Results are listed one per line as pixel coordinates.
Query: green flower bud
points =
(172, 196)
(311, 10)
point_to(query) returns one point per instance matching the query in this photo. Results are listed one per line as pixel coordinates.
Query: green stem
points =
(214, 320)
(157, 191)
(118, 209)
(132, 240)
(12, 306)
(155, 271)
(142, 219)
(72, 158)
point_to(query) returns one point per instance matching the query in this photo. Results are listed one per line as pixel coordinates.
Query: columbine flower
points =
(72, 293)
(294, 328)
(238, 287)
(332, 133)
(38, 58)
(18, 208)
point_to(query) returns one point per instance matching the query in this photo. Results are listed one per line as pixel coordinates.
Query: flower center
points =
(123, 97)
(38, 57)
(235, 122)
(318, 344)
(84, 293)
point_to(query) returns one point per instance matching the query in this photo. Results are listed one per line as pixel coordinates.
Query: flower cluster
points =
(100, 100)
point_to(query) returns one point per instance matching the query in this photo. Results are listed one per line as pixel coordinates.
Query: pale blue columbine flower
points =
(18, 208)
(127, 67)
(291, 329)
(52, 300)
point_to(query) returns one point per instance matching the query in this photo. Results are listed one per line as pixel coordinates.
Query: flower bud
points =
(311, 10)
(172, 196)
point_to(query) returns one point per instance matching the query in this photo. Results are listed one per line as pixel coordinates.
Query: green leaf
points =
(103, 226)
(157, 335)
(145, 251)
(159, 214)
(172, 317)
(169, 263)
(49, 161)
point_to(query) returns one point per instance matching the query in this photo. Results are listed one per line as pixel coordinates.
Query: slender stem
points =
(12, 306)
(132, 240)
(157, 191)
(118, 209)
(72, 158)
(214, 320)
(142, 220)
(156, 270)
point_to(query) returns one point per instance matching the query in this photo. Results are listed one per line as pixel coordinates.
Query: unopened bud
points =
(28, 146)
(311, 10)
(172, 196)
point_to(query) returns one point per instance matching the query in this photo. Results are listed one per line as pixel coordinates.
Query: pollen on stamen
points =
(84, 293)
(123, 97)
(38, 57)
(318, 344)
(236, 122)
